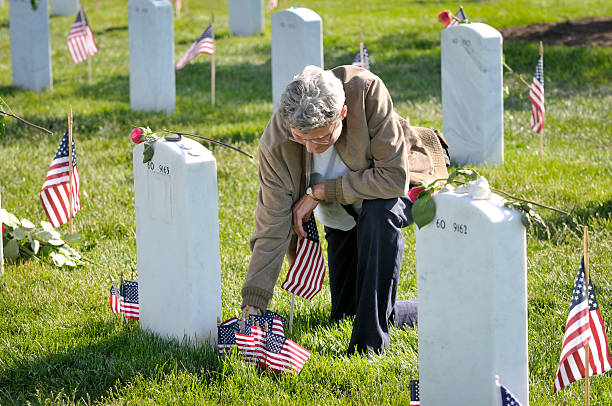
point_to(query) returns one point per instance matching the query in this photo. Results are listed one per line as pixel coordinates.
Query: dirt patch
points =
(583, 32)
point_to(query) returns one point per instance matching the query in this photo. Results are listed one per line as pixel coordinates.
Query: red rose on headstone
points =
(413, 194)
(138, 135)
(445, 17)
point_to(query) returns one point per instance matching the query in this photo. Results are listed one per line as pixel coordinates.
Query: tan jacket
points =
(384, 155)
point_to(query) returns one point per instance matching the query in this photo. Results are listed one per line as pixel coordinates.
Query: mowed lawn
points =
(59, 342)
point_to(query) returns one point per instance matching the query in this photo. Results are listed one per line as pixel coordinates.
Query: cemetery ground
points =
(59, 342)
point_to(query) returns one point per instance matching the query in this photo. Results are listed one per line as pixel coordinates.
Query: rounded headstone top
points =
(483, 30)
(304, 14)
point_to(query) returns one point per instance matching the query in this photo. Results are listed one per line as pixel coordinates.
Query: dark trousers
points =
(364, 267)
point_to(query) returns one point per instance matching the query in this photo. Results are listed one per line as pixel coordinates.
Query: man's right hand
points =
(246, 311)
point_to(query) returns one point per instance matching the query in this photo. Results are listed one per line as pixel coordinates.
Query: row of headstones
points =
(471, 276)
(297, 41)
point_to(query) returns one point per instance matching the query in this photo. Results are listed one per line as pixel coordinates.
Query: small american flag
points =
(584, 326)
(205, 44)
(459, 16)
(116, 301)
(277, 326)
(366, 59)
(414, 393)
(246, 346)
(271, 315)
(259, 339)
(54, 194)
(508, 398)
(536, 96)
(284, 355)
(81, 44)
(226, 335)
(305, 277)
(129, 291)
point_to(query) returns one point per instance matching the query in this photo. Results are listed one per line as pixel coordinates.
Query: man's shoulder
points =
(354, 76)
(274, 139)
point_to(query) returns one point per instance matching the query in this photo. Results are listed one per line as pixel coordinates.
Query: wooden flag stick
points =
(586, 284)
(361, 49)
(123, 320)
(542, 130)
(212, 64)
(291, 313)
(71, 183)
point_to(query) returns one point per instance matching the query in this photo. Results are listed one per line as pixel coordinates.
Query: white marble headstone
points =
(472, 291)
(64, 7)
(246, 17)
(177, 241)
(30, 45)
(152, 79)
(472, 98)
(297, 41)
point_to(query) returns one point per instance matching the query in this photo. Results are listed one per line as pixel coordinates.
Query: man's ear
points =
(343, 112)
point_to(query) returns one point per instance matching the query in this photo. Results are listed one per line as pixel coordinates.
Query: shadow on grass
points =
(88, 372)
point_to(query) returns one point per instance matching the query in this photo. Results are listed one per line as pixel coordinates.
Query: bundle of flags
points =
(205, 44)
(305, 276)
(81, 44)
(56, 195)
(125, 299)
(536, 96)
(262, 341)
(366, 59)
(584, 327)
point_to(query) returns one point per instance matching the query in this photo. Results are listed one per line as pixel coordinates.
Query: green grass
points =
(59, 343)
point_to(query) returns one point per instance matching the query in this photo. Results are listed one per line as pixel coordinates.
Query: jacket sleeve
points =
(388, 176)
(272, 233)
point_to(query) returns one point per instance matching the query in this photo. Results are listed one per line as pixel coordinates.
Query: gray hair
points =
(313, 99)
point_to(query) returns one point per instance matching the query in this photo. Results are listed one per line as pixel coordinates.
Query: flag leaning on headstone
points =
(507, 397)
(116, 301)
(81, 44)
(414, 393)
(305, 277)
(366, 59)
(584, 326)
(536, 97)
(129, 292)
(284, 355)
(460, 16)
(54, 194)
(205, 44)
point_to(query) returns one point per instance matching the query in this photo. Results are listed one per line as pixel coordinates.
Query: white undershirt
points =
(328, 165)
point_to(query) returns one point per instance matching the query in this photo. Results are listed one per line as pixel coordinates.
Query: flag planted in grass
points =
(414, 393)
(366, 59)
(584, 327)
(536, 97)
(205, 44)
(116, 301)
(226, 335)
(81, 44)
(129, 291)
(55, 193)
(284, 355)
(305, 277)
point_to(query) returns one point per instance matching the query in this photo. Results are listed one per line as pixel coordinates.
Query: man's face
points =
(318, 140)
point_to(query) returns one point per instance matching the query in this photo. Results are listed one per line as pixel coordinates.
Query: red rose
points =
(138, 135)
(413, 194)
(445, 17)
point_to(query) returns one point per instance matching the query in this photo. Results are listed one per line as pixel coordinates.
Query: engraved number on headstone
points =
(159, 168)
(459, 228)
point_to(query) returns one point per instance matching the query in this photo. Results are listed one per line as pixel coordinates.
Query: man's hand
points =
(302, 209)
(246, 310)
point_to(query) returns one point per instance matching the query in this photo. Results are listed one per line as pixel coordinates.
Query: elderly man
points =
(336, 145)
